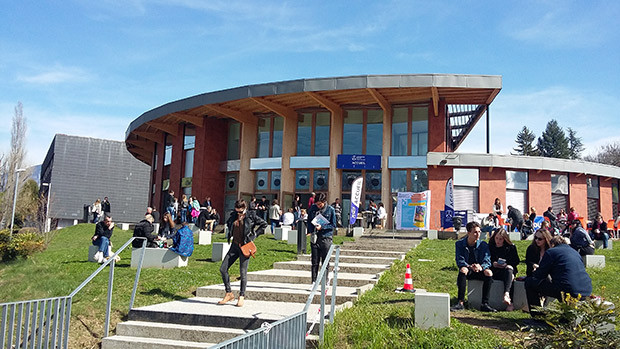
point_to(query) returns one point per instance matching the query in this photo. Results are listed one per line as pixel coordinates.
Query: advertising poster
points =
(356, 198)
(413, 210)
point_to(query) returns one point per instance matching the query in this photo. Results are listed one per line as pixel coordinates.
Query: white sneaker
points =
(96, 256)
(101, 258)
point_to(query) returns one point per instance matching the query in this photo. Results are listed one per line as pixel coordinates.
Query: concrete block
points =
(358, 231)
(92, 249)
(431, 234)
(75, 222)
(598, 244)
(123, 226)
(515, 236)
(432, 310)
(281, 233)
(292, 237)
(220, 249)
(594, 261)
(158, 258)
(268, 230)
(204, 237)
(496, 296)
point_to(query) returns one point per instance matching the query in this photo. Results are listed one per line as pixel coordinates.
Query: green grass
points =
(384, 319)
(64, 266)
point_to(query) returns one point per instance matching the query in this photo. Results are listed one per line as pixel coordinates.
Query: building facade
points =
(79, 170)
(317, 135)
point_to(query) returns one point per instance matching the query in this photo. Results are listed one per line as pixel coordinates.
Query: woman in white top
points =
(96, 210)
(498, 209)
(381, 214)
(288, 218)
(274, 215)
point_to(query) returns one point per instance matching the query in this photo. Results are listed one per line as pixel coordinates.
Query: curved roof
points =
(286, 97)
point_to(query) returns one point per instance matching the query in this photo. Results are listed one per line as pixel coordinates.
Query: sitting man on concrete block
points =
(568, 275)
(474, 262)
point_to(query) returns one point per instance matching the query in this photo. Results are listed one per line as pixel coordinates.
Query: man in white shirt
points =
(288, 218)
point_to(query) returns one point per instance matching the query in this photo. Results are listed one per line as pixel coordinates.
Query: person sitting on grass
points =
(474, 262)
(567, 275)
(144, 229)
(504, 259)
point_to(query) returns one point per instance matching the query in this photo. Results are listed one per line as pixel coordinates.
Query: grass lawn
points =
(64, 266)
(382, 318)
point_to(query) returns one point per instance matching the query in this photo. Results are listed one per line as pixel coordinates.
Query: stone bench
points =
(598, 244)
(219, 251)
(292, 237)
(281, 233)
(496, 296)
(594, 261)
(432, 310)
(125, 226)
(203, 237)
(431, 234)
(158, 258)
(358, 232)
(92, 249)
(515, 236)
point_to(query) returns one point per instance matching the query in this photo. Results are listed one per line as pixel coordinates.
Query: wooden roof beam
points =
(141, 144)
(192, 119)
(152, 136)
(279, 109)
(492, 96)
(142, 152)
(378, 97)
(330, 105)
(435, 97)
(242, 117)
(168, 128)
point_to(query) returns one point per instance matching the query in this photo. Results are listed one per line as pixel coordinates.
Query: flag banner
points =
(356, 198)
(449, 206)
(413, 211)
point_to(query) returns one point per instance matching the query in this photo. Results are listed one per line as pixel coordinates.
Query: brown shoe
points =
(229, 296)
(240, 301)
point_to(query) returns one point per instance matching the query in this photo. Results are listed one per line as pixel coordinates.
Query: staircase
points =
(271, 295)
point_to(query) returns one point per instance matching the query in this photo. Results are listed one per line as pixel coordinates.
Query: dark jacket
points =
(507, 252)
(566, 269)
(102, 230)
(166, 231)
(252, 224)
(329, 213)
(482, 254)
(515, 215)
(105, 206)
(532, 256)
(144, 229)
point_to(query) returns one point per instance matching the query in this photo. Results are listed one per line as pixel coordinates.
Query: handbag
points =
(249, 249)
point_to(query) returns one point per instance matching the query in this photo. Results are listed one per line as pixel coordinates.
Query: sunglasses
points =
(539, 238)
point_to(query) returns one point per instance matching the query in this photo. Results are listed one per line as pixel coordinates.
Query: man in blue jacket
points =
(474, 262)
(321, 233)
(568, 275)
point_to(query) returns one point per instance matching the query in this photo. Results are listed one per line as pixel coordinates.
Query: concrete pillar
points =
(289, 146)
(247, 150)
(335, 148)
(386, 178)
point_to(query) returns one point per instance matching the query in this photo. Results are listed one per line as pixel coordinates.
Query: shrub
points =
(20, 245)
(575, 323)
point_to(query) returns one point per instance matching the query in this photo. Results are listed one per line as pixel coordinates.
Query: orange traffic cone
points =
(408, 286)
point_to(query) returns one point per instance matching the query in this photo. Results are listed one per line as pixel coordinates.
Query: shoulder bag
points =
(249, 249)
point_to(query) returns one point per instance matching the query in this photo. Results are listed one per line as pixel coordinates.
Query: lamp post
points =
(48, 219)
(17, 171)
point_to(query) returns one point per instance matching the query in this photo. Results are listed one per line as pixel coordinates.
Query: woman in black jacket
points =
(504, 261)
(144, 229)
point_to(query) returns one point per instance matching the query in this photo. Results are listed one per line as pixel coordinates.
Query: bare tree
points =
(13, 161)
(608, 154)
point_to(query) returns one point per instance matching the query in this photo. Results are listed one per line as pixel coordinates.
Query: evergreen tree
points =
(553, 142)
(525, 143)
(575, 146)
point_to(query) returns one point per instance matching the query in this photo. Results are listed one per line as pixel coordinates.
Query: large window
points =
(234, 134)
(614, 199)
(593, 197)
(189, 143)
(313, 134)
(559, 192)
(516, 190)
(269, 140)
(363, 131)
(410, 131)
(307, 181)
(466, 182)
(168, 150)
(409, 180)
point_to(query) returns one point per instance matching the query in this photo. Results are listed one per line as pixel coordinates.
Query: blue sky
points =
(89, 68)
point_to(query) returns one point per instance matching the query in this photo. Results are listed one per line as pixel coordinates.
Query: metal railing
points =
(290, 332)
(44, 323)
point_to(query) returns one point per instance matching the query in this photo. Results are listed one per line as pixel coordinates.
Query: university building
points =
(317, 135)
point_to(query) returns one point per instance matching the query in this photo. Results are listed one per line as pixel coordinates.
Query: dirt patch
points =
(503, 327)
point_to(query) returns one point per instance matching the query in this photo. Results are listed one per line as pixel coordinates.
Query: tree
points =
(575, 146)
(13, 161)
(608, 154)
(525, 143)
(553, 142)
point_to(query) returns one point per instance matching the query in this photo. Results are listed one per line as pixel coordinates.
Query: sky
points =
(89, 68)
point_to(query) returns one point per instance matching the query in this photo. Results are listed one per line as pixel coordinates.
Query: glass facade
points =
(419, 131)
(302, 180)
(321, 134)
(304, 134)
(400, 121)
(313, 134)
(168, 150)
(374, 132)
(269, 140)
(399, 181)
(352, 133)
(264, 137)
(234, 136)
(419, 180)
(320, 182)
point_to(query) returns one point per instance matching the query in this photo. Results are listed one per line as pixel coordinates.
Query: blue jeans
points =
(183, 215)
(601, 236)
(103, 243)
(274, 224)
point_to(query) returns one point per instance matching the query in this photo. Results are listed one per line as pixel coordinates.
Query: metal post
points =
(334, 285)
(17, 171)
(488, 131)
(135, 283)
(322, 312)
(109, 305)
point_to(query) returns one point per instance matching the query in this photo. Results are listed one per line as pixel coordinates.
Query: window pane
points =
(559, 184)
(399, 181)
(234, 134)
(264, 125)
(465, 176)
(374, 132)
(304, 134)
(275, 180)
(261, 180)
(352, 136)
(278, 127)
(399, 131)
(516, 180)
(419, 129)
(419, 180)
(592, 183)
(231, 182)
(373, 181)
(189, 163)
(189, 139)
(321, 134)
(168, 152)
(347, 179)
(302, 180)
(320, 180)
(614, 192)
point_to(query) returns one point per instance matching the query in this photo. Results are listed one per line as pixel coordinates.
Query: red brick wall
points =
(437, 129)
(578, 194)
(159, 173)
(176, 167)
(539, 194)
(492, 185)
(210, 151)
(437, 178)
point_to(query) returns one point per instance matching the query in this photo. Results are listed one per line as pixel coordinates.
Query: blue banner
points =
(358, 162)
(356, 198)
(446, 221)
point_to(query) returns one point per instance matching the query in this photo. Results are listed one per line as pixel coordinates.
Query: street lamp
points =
(17, 171)
(48, 219)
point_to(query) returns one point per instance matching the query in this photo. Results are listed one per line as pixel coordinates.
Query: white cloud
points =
(56, 75)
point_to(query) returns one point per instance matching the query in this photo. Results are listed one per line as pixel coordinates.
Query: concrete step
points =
(400, 246)
(125, 342)
(279, 292)
(354, 259)
(177, 332)
(304, 277)
(372, 253)
(344, 267)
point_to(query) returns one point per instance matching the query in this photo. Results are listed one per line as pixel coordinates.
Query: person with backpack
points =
(183, 241)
